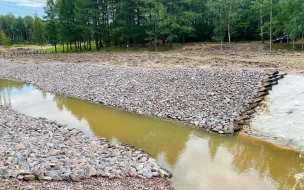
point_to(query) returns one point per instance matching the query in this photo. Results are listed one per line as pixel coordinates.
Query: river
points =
(197, 159)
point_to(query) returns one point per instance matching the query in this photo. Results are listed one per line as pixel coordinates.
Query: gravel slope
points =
(212, 99)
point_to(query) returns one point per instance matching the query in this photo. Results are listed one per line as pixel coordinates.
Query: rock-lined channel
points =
(198, 160)
(212, 99)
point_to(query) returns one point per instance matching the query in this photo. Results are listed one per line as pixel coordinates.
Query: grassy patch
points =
(286, 46)
(160, 48)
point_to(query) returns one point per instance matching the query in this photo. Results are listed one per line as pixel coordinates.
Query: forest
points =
(130, 23)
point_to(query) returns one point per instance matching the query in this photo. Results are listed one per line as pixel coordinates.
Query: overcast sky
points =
(22, 7)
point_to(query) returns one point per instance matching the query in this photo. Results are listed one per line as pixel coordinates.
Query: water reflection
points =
(197, 159)
(6, 87)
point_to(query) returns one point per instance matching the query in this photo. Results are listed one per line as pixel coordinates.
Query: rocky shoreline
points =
(37, 148)
(212, 99)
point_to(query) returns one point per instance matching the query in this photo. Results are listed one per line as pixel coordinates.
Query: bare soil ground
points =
(235, 56)
(27, 48)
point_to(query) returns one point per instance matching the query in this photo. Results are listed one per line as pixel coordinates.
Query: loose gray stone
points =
(29, 177)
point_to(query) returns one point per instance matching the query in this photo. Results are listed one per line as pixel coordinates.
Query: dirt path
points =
(238, 56)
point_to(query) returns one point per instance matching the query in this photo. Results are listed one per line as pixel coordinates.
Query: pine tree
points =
(4, 39)
(39, 32)
(51, 19)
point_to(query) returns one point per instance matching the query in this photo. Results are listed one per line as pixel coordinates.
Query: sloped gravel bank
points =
(212, 99)
(37, 148)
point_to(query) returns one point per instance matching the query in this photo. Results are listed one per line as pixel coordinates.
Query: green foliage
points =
(86, 25)
(39, 31)
(51, 27)
(4, 39)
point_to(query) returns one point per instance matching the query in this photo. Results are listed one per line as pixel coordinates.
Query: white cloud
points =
(28, 3)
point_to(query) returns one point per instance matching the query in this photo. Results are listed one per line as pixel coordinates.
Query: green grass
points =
(160, 48)
(285, 46)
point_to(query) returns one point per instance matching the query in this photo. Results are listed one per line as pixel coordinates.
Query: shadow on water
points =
(197, 159)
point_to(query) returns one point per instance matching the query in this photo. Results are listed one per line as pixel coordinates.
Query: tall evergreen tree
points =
(39, 31)
(51, 19)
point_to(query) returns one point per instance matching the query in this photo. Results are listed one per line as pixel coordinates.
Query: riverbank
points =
(212, 99)
(37, 148)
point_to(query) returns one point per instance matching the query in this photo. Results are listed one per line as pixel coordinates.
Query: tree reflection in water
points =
(162, 137)
(6, 87)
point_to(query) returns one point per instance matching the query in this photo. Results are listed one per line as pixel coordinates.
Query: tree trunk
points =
(128, 45)
(171, 45)
(229, 20)
(261, 25)
(105, 44)
(100, 43)
(115, 41)
(135, 42)
(96, 42)
(63, 48)
(293, 43)
(270, 27)
(55, 48)
(302, 41)
(76, 49)
(90, 43)
(221, 28)
(155, 36)
(183, 42)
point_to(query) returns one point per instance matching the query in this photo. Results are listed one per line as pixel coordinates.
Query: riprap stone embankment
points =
(37, 148)
(212, 99)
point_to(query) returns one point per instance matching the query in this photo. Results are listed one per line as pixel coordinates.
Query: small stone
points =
(112, 175)
(24, 172)
(92, 172)
(47, 178)
(20, 177)
(66, 177)
(74, 177)
(29, 177)
(143, 159)
(56, 178)
(155, 174)
(148, 175)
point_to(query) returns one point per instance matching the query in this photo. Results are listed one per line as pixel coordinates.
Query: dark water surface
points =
(197, 159)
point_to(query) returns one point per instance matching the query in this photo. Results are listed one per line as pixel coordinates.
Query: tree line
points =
(79, 23)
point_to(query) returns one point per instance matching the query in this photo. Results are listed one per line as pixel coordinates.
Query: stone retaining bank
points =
(37, 148)
(212, 99)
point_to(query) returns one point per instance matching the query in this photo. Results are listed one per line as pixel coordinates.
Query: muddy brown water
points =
(197, 159)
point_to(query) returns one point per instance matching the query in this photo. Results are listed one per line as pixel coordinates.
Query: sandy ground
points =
(245, 55)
